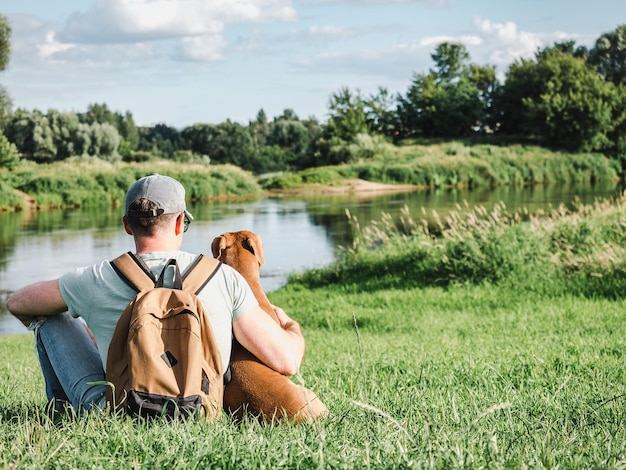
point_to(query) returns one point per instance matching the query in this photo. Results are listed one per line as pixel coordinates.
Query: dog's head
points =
(231, 248)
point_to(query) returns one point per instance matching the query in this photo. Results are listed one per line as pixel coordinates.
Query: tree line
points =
(566, 97)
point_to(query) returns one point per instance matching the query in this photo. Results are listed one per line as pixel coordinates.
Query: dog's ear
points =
(256, 247)
(218, 244)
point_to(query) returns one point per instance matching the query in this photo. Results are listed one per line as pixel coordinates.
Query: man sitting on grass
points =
(155, 214)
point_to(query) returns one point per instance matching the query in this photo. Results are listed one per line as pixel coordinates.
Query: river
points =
(298, 232)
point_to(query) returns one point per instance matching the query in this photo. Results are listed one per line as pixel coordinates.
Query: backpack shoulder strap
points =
(199, 273)
(134, 272)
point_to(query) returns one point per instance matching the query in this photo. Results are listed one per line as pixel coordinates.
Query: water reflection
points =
(299, 233)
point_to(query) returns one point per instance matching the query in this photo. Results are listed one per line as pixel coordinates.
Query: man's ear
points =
(180, 224)
(126, 225)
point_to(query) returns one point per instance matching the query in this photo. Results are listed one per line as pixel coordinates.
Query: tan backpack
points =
(163, 359)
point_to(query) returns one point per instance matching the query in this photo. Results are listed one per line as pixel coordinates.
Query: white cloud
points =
(51, 47)
(492, 43)
(433, 3)
(325, 34)
(112, 21)
(183, 29)
(505, 43)
(206, 48)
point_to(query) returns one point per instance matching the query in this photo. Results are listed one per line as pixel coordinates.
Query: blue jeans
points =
(70, 363)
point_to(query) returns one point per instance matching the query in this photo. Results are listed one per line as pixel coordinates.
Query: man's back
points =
(99, 296)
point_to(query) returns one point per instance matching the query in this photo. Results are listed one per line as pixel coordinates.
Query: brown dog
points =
(254, 387)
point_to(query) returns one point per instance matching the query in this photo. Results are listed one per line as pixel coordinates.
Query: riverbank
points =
(90, 182)
(347, 186)
(453, 165)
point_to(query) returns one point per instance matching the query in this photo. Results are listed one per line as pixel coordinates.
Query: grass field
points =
(464, 378)
(518, 363)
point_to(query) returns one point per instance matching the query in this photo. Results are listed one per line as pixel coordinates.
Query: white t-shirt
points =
(98, 295)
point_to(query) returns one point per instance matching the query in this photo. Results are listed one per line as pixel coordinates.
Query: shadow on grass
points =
(20, 413)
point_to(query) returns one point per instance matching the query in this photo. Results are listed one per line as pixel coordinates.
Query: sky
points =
(181, 62)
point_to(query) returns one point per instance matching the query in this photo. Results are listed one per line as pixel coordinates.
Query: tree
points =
(5, 42)
(452, 99)
(451, 60)
(231, 143)
(617, 135)
(98, 113)
(19, 131)
(487, 87)
(609, 55)
(57, 136)
(227, 142)
(105, 141)
(5, 54)
(198, 137)
(259, 129)
(44, 147)
(381, 112)
(129, 134)
(347, 115)
(561, 100)
(417, 110)
(288, 115)
(161, 139)
(566, 47)
(293, 138)
(64, 127)
(523, 82)
(9, 156)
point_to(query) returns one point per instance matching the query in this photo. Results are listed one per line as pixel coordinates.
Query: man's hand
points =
(286, 323)
(27, 319)
(279, 346)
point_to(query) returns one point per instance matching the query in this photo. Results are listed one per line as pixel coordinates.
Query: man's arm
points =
(37, 300)
(280, 347)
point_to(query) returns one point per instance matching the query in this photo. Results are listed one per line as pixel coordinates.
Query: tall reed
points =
(574, 249)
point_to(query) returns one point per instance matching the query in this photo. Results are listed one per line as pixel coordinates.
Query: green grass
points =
(91, 182)
(469, 377)
(459, 164)
(489, 340)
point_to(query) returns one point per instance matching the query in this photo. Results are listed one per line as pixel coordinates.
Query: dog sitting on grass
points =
(255, 388)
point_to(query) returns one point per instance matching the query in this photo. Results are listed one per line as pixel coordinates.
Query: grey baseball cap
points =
(167, 193)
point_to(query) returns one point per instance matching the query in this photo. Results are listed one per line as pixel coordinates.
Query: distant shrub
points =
(320, 175)
(9, 198)
(287, 181)
(139, 156)
(9, 156)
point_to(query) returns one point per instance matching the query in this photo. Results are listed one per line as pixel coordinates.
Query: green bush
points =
(578, 250)
(321, 175)
(9, 198)
(286, 181)
(462, 165)
(9, 156)
(89, 182)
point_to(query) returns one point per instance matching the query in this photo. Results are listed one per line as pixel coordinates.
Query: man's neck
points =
(150, 245)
